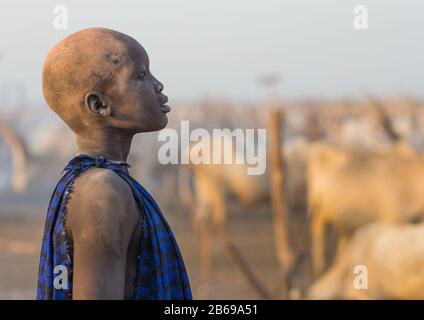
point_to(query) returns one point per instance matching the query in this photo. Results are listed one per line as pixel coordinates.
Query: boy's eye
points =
(142, 75)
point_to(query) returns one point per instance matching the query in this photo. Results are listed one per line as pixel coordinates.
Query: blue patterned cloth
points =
(161, 272)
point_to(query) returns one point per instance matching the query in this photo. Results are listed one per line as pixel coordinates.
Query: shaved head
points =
(89, 80)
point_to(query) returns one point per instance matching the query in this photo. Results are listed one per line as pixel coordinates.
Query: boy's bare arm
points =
(102, 217)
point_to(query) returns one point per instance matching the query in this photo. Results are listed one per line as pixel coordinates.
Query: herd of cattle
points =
(369, 197)
(353, 172)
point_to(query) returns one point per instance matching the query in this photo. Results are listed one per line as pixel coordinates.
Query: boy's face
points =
(137, 97)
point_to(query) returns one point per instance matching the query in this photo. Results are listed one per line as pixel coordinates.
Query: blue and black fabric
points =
(161, 273)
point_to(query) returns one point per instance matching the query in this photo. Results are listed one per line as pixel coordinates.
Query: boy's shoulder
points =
(101, 196)
(105, 179)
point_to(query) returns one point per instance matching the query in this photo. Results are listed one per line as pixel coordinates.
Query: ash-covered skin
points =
(99, 82)
(111, 64)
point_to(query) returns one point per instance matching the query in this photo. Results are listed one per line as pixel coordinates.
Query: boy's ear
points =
(96, 103)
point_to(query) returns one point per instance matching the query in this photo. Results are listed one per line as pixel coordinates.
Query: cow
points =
(348, 190)
(381, 261)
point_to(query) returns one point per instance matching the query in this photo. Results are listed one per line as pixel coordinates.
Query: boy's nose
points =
(158, 87)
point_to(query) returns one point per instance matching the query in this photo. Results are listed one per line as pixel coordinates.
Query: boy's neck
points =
(112, 146)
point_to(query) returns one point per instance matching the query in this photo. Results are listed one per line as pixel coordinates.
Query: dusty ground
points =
(21, 233)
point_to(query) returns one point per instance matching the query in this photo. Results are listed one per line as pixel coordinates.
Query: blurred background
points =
(343, 108)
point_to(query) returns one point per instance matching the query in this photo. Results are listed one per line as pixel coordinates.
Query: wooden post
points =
(235, 256)
(19, 156)
(279, 205)
(313, 130)
(384, 118)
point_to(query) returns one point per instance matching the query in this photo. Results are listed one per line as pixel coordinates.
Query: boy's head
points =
(98, 79)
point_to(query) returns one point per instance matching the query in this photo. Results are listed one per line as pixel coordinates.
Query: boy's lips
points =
(165, 108)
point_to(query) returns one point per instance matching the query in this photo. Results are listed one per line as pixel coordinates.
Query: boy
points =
(105, 237)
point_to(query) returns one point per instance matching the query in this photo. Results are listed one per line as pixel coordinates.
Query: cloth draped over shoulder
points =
(161, 274)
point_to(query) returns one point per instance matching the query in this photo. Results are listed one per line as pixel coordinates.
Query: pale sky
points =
(219, 48)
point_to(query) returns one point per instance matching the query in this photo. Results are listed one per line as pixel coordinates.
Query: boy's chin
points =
(164, 122)
(157, 125)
